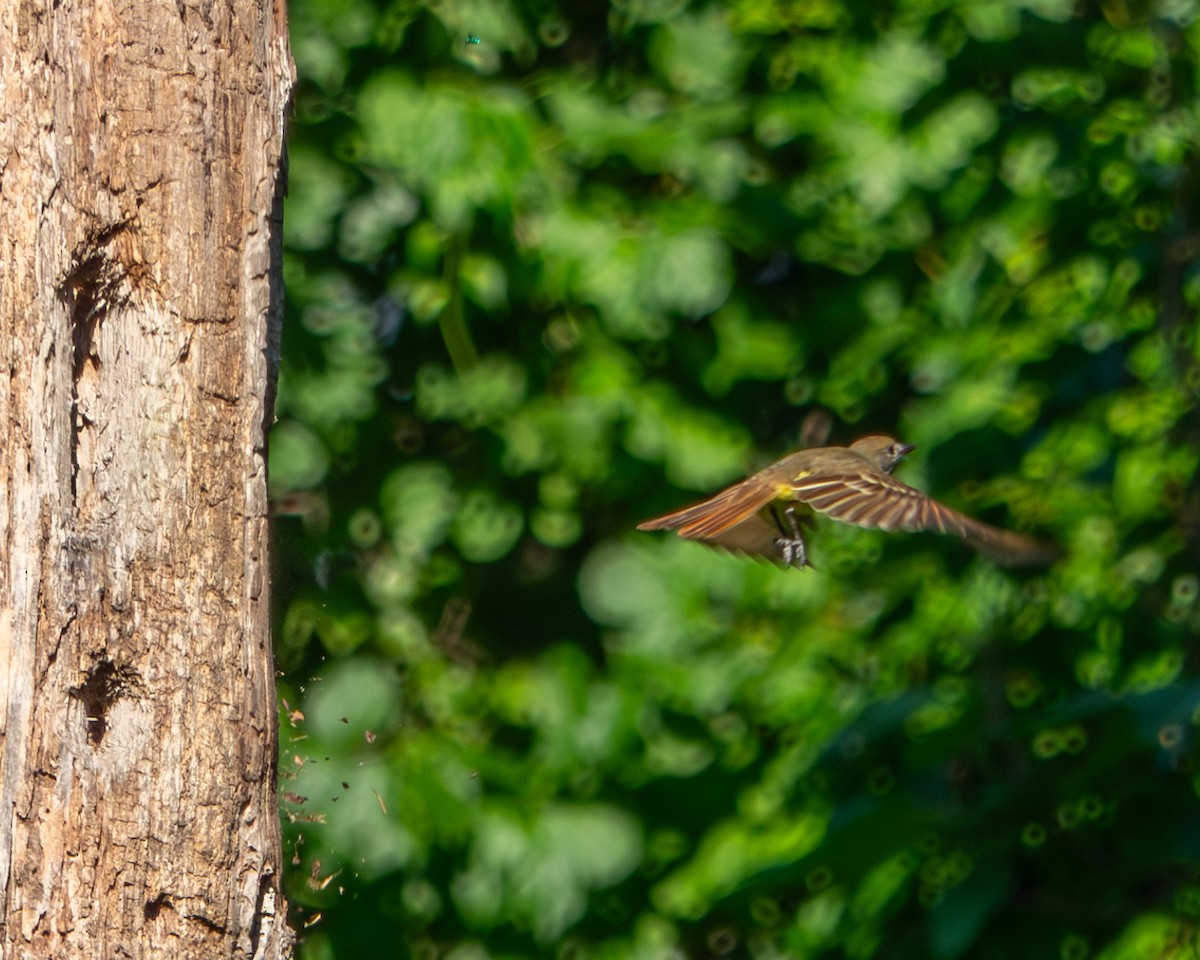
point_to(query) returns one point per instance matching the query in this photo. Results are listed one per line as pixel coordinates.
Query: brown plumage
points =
(763, 514)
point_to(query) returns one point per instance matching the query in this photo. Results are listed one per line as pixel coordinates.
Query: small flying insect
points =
(472, 39)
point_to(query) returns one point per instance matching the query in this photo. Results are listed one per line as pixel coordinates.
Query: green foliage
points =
(554, 269)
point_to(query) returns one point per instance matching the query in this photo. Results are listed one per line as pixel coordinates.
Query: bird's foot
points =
(792, 552)
(791, 545)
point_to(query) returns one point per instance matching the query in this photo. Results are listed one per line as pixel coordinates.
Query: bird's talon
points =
(792, 552)
(790, 545)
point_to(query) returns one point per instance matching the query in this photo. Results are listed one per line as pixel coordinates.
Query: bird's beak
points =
(905, 449)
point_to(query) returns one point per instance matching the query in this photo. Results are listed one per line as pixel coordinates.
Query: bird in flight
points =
(764, 514)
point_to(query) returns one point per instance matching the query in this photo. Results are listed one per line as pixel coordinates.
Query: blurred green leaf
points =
(298, 458)
(555, 269)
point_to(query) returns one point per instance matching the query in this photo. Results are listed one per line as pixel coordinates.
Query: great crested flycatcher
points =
(763, 514)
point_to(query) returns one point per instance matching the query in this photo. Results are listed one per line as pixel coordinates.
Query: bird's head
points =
(881, 451)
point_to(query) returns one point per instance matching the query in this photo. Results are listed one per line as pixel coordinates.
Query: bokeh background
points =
(555, 267)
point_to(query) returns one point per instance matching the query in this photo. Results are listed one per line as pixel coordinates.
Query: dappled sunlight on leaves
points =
(553, 270)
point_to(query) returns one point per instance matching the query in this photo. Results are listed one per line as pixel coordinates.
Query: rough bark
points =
(141, 147)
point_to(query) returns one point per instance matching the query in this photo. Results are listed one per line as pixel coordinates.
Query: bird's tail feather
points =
(709, 519)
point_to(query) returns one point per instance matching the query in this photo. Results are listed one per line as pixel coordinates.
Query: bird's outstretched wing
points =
(880, 501)
(876, 501)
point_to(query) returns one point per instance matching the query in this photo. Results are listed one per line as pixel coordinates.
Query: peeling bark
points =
(141, 146)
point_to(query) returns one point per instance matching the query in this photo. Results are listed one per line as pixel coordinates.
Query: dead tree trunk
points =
(141, 147)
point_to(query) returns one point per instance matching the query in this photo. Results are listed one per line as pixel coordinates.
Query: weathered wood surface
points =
(141, 148)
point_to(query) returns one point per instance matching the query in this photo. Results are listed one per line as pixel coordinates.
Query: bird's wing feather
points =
(1009, 548)
(877, 501)
(755, 536)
